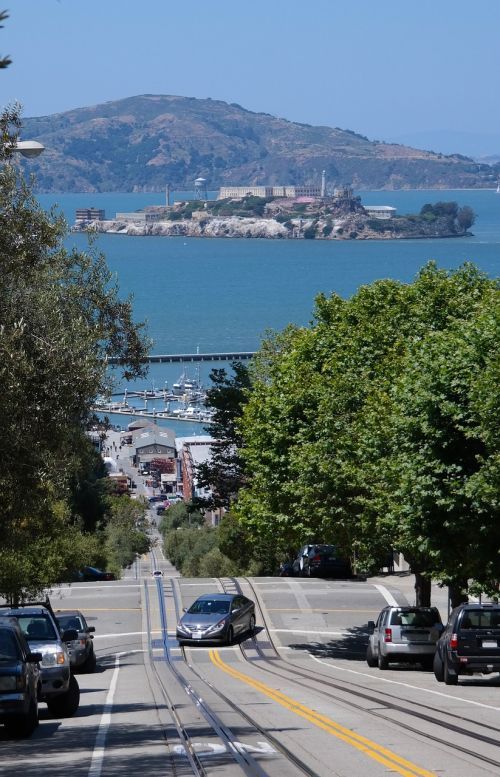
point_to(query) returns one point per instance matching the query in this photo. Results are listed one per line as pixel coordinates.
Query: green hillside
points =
(142, 143)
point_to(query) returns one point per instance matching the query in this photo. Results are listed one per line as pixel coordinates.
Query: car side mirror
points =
(91, 629)
(371, 626)
(34, 658)
(69, 635)
(184, 609)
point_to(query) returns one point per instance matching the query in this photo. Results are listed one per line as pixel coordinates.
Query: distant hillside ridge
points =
(144, 143)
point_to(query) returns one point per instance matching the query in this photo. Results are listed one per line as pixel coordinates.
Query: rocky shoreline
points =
(347, 228)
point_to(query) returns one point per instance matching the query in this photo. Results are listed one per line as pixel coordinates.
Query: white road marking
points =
(210, 748)
(406, 685)
(104, 724)
(389, 598)
(308, 631)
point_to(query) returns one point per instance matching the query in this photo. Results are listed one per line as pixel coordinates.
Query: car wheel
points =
(437, 667)
(370, 658)
(20, 726)
(66, 704)
(230, 636)
(382, 662)
(89, 665)
(251, 625)
(450, 677)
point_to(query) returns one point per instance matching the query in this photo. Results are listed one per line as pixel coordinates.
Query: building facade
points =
(238, 192)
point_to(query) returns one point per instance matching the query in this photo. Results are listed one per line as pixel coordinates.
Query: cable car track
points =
(243, 759)
(275, 666)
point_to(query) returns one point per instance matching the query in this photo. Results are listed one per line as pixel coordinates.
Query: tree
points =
(369, 430)
(60, 320)
(466, 217)
(223, 474)
(4, 61)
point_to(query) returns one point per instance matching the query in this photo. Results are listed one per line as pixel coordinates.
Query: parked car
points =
(81, 650)
(404, 634)
(19, 681)
(90, 574)
(59, 688)
(470, 643)
(217, 618)
(320, 561)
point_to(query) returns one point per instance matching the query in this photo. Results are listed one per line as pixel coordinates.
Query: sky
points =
(421, 72)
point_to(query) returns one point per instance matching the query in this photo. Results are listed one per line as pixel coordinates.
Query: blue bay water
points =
(223, 294)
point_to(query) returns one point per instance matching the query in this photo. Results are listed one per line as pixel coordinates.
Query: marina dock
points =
(172, 358)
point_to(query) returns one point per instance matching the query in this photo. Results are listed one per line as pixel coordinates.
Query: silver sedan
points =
(217, 618)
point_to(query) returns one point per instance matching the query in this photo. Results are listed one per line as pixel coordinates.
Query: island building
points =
(292, 192)
(90, 214)
(147, 215)
(380, 211)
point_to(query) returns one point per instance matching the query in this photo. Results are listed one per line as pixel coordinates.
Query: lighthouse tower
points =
(323, 184)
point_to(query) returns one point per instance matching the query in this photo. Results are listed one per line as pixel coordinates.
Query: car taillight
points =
(388, 635)
(317, 559)
(453, 642)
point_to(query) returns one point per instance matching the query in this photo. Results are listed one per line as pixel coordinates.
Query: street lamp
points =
(28, 148)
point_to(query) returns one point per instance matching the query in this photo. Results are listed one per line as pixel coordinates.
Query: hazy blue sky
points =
(394, 70)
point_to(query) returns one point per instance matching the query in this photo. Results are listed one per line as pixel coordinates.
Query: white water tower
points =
(200, 189)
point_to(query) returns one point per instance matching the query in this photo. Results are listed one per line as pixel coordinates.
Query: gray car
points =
(81, 650)
(217, 618)
(404, 634)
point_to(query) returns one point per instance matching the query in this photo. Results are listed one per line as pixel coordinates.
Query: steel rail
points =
(245, 760)
(288, 754)
(383, 697)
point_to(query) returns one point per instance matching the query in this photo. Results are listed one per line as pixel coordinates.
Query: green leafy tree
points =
(60, 320)
(224, 472)
(342, 426)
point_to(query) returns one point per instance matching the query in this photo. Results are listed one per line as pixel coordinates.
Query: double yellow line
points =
(367, 746)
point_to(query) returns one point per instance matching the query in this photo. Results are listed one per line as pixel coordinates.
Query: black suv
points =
(19, 681)
(320, 561)
(470, 643)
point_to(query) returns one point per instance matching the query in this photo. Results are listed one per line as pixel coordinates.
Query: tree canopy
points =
(61, 318)
(376, 428)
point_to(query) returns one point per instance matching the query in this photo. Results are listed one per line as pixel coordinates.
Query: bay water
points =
(223, 294)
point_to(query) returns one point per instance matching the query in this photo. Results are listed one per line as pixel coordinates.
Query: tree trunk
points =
(458, 592)
(422, 590)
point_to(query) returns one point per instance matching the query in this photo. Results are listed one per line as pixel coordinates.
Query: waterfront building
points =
(90, 214)
(289, 191)
(147, 215)
(380, 211)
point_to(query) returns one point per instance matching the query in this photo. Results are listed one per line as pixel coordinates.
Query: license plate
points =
(197, 634)
(488, 643)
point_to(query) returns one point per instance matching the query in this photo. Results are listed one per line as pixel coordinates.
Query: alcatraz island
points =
(297, 212)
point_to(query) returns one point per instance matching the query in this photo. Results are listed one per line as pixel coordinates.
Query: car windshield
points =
(69, 622)
(8, 646)
(480, 619)
(209, 607)
(37, 627)
(418, 618)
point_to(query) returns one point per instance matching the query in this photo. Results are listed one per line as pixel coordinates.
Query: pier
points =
(172, 358)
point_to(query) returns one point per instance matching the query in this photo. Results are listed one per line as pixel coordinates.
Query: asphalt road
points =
(299, 699)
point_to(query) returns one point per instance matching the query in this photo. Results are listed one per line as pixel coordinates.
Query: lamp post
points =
(28, 148)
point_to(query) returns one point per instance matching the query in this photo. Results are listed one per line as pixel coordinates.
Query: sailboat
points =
(498, 187)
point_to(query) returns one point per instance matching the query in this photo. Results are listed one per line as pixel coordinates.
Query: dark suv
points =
(470, 643)
(19, 681)
(320, 561)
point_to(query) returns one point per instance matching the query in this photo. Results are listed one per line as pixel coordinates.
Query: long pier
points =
(172, 358)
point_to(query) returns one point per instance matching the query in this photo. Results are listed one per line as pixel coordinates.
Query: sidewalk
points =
(404, 582)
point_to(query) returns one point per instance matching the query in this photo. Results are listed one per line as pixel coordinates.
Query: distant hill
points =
(142, 143)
